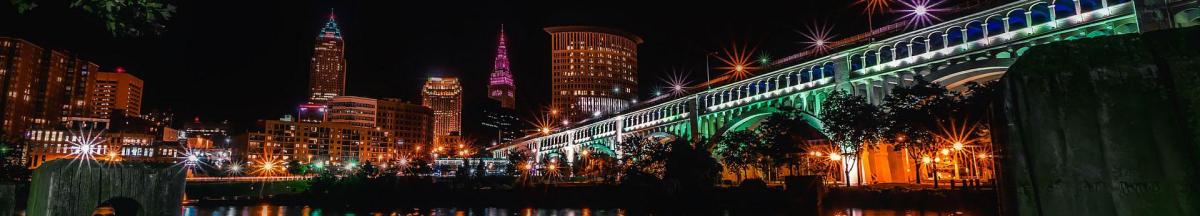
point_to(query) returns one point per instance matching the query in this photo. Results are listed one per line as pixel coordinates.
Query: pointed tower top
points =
(331, 29)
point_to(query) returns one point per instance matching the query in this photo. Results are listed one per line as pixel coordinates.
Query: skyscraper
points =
(444, 96)
(593, 70)
(500, 85)
(327, 77)
(411, 123)
(110, 91)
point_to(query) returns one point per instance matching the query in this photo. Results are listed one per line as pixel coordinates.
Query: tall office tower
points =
(111, 91)
(444, 96)
(501, 123)
(356, 111)
(327, 77)
(500, 85)
(593, 71)
(411, 123)
(20, 66)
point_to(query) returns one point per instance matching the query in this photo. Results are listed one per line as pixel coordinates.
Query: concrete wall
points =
(1103, 126)
(66, 187)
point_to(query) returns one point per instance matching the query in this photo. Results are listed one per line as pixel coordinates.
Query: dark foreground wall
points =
(1102, 126)
(64, 187)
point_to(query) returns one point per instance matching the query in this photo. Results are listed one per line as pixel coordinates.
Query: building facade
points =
(327, 76)
(593, 71)
(42, 86)
(410, 123)
(500, 85)
(325, 142)
(501, 123)
(443, 95)
(110, 91)
(352, 110)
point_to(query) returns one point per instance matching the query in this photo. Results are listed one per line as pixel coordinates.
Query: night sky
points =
(248, 60)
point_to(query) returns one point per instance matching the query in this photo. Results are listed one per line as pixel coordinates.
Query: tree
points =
(11, 167)
(784, 136)
(294, 167)
(911, 118)
(121, 17)
(735, 150)
(690, 168)
(852, 124)
(515, 160)
(643, 155)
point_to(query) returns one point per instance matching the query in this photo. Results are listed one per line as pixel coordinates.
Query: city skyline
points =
(407, 65)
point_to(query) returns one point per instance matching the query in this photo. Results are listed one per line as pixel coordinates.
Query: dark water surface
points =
(273, 210)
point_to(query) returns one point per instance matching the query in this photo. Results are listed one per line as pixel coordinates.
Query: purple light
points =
(818, 35)
(920, 12)
(500, 72)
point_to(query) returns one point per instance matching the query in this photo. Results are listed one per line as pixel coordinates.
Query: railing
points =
(249, 178)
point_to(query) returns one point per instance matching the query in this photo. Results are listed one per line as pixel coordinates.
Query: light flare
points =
(919, 13)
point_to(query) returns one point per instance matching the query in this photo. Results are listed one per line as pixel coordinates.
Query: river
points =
(273, 210)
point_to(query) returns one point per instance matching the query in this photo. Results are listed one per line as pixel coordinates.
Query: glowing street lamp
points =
(958, 146)
(835, 157)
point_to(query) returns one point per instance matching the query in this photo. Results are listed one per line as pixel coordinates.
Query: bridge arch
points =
(956, 76)
(753, 118)
(1188, 17)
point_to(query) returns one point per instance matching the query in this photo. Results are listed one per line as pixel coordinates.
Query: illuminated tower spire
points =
(500, 85)
(327, 76)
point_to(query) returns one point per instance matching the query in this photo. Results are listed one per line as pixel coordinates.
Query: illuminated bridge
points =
(974, 48)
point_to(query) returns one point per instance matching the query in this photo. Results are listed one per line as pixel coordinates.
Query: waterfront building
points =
(327, 75)
(500, 84)
(312, 112)
(323, 142)
(593, 71)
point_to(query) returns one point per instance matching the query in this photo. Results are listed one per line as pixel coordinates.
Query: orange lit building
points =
(327, 77)
(593, 70)
(411, 123)
(356, 111)
(109, 91)
(325, 142)
(42, 86)
(444, 96)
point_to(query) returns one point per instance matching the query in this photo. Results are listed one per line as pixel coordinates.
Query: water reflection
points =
(269, 210)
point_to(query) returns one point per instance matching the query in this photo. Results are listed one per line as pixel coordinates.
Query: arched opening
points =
(937, 41)
(1016, 20)
(1039, 14)
(1188, 18)
(1097, 33)
(828, 69)
(872, 58)
(805, 75)
(1090, 5)
(995, 26)
(954, 36)
(885, 54)
(1064, 8)
(119, 206)
(918, 46)
(856, 62)
(1127, 28)
(974, 31)
(902, 50)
